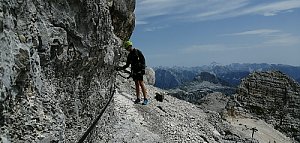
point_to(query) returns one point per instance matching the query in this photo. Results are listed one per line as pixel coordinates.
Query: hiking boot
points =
(137, 101)
(146, 101)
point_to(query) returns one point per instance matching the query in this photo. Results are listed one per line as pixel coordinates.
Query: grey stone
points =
(274, 97)
(159, 97)
(149, 77)
(44, 86)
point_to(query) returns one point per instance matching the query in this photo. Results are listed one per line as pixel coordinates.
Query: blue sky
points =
(199, 32)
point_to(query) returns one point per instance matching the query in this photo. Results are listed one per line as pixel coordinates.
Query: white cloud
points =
(195, 10)
(282, 40)
(202, 48)
(255, 32)
(152, 8)
(141, 22)
(272, 37)
(271, 9)
(212, 10)
(150, 29)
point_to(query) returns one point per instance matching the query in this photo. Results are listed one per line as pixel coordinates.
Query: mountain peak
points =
(275, 97)
(214, 64)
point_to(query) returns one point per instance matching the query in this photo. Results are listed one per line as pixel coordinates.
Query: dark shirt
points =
(136, 59)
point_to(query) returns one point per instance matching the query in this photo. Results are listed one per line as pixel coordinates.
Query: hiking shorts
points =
(137, 76)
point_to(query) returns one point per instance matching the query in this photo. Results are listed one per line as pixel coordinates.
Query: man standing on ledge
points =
(136, 59)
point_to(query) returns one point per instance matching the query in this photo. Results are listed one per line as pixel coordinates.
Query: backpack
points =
(141, 61)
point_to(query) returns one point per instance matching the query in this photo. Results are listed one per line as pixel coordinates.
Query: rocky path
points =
(131, 126)
(155, 122)
(172, 120)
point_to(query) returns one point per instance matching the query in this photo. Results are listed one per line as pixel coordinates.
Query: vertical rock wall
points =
(274, 97)
(57, 65)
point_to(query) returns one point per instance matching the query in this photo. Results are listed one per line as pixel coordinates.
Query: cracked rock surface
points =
(57, 65)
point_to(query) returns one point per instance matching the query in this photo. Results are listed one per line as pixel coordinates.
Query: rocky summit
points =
(274, 97)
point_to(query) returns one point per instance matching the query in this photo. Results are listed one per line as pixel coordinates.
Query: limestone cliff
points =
(274, 97)
(57, 65)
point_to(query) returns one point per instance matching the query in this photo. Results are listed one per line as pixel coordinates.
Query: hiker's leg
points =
(137, 89)
(141, 83)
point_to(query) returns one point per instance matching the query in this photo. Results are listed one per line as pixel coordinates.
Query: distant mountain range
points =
(172, 77)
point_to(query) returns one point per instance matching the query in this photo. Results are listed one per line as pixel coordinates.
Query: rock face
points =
(57, 65)
(274, 97)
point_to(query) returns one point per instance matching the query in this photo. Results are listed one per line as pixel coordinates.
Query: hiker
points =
(136, 59)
